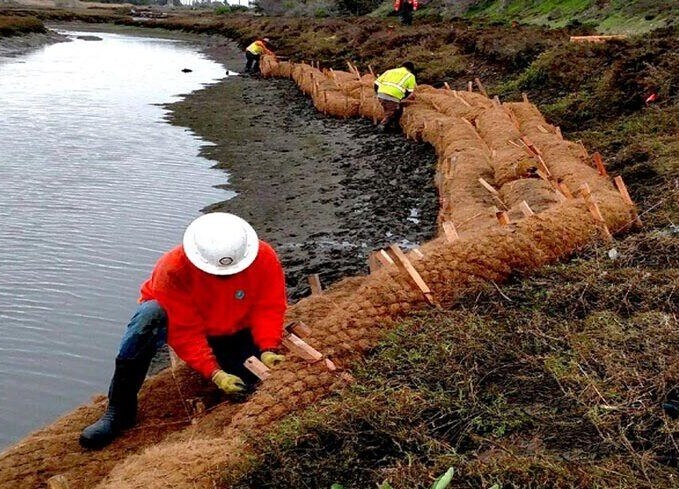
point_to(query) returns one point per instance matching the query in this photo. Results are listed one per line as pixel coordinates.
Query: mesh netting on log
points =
(475, 138)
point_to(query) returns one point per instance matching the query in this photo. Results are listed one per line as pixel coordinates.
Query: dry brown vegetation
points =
(15, 25)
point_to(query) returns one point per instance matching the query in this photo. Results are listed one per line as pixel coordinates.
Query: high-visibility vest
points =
(257, 47)
(396, 82)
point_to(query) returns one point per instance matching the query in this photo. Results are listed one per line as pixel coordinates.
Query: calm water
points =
(94, 186)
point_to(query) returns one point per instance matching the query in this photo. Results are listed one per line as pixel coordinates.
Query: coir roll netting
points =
(495, 159)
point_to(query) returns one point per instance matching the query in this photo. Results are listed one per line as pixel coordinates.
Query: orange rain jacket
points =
(199, 304)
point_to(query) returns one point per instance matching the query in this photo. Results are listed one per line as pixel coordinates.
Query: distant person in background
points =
(405, 9)
(392, 87)
(254, 52)
(216, 299)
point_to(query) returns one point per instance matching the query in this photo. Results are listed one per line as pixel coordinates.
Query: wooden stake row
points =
(586, 193)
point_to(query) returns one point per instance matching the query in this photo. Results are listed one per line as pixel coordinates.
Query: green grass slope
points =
(620, 16)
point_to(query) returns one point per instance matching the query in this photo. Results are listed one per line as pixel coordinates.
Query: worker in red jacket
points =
(405, 9)
(217, 299)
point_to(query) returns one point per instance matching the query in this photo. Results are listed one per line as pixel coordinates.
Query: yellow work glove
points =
(271, 359)
(229, 383)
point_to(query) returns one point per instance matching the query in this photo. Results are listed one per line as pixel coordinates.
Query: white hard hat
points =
(220, 243)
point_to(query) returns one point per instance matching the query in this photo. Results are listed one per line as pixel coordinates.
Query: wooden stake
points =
(525, 98)
(450, 231)
(315, 284)
(565, 190)
(584, 150)
(557, 129)
(496, 101)
(254, 365)
(525, 208)
(445, 84)
(370, 69)
(331, 366)
(57, 482)
(488, 187)
(298, 328)
(459, 97)
(298, 347)
(470, 86)
(502, 217)
(599, 163)
(594, 210)
(403, 263)
(482, 89)
(384, 258)
(417, 253)
(542, 129)
(373, 263)
(622, 188)
(529, 144)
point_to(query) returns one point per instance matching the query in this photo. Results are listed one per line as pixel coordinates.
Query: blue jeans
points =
(147, 332)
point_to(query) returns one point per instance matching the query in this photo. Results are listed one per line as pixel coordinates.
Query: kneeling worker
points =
(253, 52)
(217, 299)
(392, 87)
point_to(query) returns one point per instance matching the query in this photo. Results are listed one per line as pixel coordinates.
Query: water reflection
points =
(94, 186)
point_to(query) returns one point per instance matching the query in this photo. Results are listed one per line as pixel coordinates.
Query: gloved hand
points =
(229, 383)
(271, 359)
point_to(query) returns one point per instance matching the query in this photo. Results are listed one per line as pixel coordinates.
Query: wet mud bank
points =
(325, 192)
(17, 45)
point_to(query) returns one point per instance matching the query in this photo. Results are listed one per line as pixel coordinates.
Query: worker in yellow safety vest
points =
(253, 52)
(392, 87)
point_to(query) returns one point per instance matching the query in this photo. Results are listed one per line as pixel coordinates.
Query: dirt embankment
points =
(19, 34)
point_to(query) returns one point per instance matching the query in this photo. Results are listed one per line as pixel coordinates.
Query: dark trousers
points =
(147, 331)
(392, 112)
(405, 13)
(251, 62)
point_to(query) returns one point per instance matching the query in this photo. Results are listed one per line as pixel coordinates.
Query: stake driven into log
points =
(373, 263)
(459, 97)
(525, 208)
(470, 86)
(558, 132)
(254, 365)
(298, 328)
(599, 163)
(300, 348)
(384, 258)
(315, 284)
(482, 89)
(622, 188)
(404, 264)
(586, 194)
(502, 217)
(493, 192)
(450, 231)
(565, 190)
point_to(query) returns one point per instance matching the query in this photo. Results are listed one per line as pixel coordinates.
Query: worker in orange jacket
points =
(217, 299)
(254, 52)
(405, 9)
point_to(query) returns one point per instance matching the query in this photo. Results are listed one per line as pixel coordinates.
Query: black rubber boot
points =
(121, 412)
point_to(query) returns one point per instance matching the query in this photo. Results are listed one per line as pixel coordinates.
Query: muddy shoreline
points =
(324, 192)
